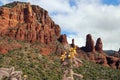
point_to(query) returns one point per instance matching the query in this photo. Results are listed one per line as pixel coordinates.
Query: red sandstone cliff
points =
(26, 22)
(30, 23)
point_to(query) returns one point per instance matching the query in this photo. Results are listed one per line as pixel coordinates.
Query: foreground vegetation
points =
(38, 67)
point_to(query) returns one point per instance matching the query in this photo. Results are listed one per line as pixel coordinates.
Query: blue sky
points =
(72, 2)
(1, 3)
(77, 18)
(111, 2)
(107, 2)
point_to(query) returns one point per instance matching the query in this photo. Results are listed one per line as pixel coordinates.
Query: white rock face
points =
(10, 73)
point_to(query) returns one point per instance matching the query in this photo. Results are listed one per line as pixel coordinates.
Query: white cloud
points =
(97, 19)
(87, 16)
(78, 40)
(5, 1)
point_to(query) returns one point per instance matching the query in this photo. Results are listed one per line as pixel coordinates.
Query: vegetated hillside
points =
(39, 67)
(29, 60)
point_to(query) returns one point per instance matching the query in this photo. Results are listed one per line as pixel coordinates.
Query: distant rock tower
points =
(89, 44)
(73, 43)
(99, 45)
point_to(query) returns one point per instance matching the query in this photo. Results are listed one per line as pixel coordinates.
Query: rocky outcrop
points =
(101, 59)
(114, 62)
(63, 39)
(89, 44)
(116, 54)
(10, 73)
(73, 43)
(96, 53)
(99, 45)
(22, 21)
(29, 23)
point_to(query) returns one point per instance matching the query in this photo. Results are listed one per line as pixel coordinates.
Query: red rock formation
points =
(96, 54)
(29, 23)
(113, 62)
(101, 59)
(26, 22)
(89, 44)
(116, 54)
(63, 39)
(73, 43)
(98, 46)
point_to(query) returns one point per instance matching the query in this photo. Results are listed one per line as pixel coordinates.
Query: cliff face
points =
(29, 23)
(26, 22)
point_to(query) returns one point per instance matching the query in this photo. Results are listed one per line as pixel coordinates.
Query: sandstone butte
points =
(31, 23)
